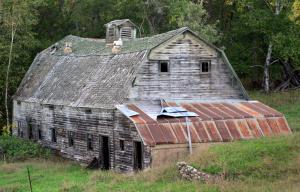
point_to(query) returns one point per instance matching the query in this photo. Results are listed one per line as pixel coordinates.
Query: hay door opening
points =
(104, 152)
(138, 156)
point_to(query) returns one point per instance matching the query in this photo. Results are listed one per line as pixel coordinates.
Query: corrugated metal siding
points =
(217, 122)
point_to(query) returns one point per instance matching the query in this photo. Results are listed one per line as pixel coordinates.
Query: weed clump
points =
(13, 148)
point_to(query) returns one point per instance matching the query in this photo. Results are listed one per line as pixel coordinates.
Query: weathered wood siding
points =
(101, 122)
(125, 130)
(184, 80)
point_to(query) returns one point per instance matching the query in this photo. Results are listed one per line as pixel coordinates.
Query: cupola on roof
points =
(116, 29)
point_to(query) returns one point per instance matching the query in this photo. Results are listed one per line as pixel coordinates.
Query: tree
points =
(185, 13)
(17, 19)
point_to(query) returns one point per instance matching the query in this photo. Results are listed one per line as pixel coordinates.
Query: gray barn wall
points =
(127, 131)
(184, 81)
(63, 118)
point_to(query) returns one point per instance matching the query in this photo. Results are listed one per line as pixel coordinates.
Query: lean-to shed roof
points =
(220, 121)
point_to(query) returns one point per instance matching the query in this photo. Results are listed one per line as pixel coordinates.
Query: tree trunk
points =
(267, 70)
(278, 8)
(7, 74)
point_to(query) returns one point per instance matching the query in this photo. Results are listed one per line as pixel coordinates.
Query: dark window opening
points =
(19, 128)
(53, 135)
(40, 134)
(89, 142)
(19, 102)
(30, 131)
(205, 67)
(164, 66)
(122, 147)
(71, 138)
(88, 111)
(104, 152)
(51, 107)
(138, 156)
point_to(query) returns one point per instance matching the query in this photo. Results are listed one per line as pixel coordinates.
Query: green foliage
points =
(13, 148)
(185, 13)
(245, 28)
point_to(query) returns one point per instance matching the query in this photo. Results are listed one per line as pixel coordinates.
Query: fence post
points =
(29, 179)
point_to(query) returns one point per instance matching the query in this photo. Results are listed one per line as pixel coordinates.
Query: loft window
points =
(164, 66)
(53, 135)
(89, 142)
(205, 66)
(122, 146)
(71, 138)
(88, 111)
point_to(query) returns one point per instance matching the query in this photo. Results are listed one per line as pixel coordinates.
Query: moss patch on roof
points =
(88, 46)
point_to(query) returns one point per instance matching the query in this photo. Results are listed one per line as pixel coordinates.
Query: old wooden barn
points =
(134, 103)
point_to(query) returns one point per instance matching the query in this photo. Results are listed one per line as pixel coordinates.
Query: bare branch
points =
(252, 66)
(269, 4)
(275, 61)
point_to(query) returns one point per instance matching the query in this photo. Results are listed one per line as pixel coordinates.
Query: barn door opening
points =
(138, 156)
(104, 152)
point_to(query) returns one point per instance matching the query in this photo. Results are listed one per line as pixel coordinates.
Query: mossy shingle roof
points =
(91, 76)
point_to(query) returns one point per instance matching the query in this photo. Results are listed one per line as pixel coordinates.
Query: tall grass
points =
(286, 102)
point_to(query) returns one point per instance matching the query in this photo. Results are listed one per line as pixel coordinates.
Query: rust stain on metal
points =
(243, 126)
(233, 129)
(216, 122)
(254, 128)
(223, 131)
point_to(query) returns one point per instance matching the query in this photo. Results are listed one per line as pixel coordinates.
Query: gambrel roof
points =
(91, 76)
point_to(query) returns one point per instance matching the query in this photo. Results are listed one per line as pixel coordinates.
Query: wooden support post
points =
(189, 135)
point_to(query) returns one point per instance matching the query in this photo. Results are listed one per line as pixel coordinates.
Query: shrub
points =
(13, 148)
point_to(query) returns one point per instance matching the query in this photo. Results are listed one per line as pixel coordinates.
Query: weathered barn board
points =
(102, 100)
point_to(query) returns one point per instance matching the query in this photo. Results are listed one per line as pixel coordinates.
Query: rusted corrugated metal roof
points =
(216, 122)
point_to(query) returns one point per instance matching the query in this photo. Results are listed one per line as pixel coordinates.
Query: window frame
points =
(201, 66)
(159, 66)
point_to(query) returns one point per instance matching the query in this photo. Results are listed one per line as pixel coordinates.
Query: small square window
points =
(88, 111)
(51, 107)
(164, 66)
(89, 142)
(71, 138)
(19, 102)
(122, 146)
(205, 66)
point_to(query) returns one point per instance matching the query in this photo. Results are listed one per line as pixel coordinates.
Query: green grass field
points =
(268, 164)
